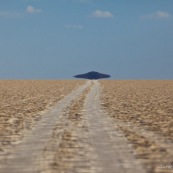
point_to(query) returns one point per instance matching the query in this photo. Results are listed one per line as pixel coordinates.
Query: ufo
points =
(93, 75)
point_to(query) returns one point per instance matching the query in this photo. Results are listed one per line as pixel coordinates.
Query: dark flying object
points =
(92, 75)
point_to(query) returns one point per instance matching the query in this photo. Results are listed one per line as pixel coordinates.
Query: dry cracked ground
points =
(86, 126)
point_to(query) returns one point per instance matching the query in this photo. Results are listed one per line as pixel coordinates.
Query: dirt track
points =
(79, 135)
(28, 155)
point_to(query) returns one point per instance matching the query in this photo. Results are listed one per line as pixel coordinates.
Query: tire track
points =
(109, 143)
(27, 156)
(69, 150)
(76, 137)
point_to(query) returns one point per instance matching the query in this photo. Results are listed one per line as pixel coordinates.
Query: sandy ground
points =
(144, 112)
(67, 127)
(109, 144)
(69, 148)
(22, 104)
(87, 140)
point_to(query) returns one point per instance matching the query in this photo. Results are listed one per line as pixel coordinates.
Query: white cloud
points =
(74, 27)
(30, 9)
(10, 14)
(102, 14)
(157, 15)
(14, 14)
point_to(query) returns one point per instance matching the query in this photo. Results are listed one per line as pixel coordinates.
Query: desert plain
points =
(144, 112)
(139, 111)
(22, 104)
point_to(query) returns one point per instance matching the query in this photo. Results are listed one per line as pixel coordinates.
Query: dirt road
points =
(110, 146)
(86, 142)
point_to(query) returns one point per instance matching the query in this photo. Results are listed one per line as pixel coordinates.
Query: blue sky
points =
(56, 39)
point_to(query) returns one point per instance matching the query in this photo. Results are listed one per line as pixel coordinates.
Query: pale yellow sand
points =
(137, 111)
(144, 110)
(22, 103)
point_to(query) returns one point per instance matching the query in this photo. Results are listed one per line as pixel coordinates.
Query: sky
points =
(57, 39)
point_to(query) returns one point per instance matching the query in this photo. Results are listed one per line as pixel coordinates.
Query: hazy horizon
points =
(62, 38)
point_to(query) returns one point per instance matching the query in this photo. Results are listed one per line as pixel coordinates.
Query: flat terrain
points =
(144, 112)
(22, 104)
(86, 126)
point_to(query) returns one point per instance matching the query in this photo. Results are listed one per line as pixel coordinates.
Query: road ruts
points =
(27, 156)
(113, 154)
(69, 149)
